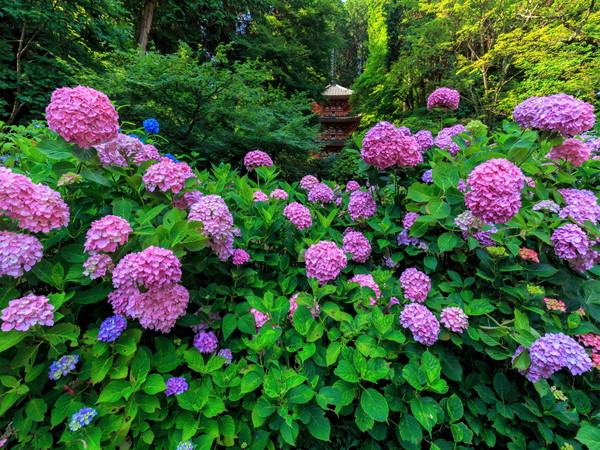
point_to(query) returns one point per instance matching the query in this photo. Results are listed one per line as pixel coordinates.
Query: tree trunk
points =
(146, 24)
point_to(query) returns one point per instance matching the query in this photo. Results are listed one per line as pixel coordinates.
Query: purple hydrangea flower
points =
(206, 342)
(226, 353)
(176, 386)
(112, 328)
(421, 322)
(63, 366)
(82, 418)
(185, 445)
(416, 284)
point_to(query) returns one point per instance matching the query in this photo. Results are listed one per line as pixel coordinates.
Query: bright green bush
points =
(350, 377)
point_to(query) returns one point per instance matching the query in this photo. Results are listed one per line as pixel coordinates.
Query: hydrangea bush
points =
(149, 305)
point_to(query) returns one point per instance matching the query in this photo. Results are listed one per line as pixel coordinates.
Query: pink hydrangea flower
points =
(308, 182)
(324, 261)
(260, 196)
(416, 285)
(571, 150)
(25, 312)
(167, 175)
(423, 325)
(553, 304)
(222, 247)
(82, 115)
(444, 139)
(361, 205)
(159, 307)
(206, 342)
(279, 194)
(527, 253)
(582, 205)
(425, 139)
(314, 310)
(124, 151)
(153, 267)
(526, 113)
(259, 317)
(18, 253)
(187, 199)
(257, 158)
(381, 145)
(352, 186)
(569, 241)
(366, 280)
(321, 193)
(444, 98)
(97, 266)
(215, 216)
(240, 256)
(298, 214)
(455, 319)
(590, 340)
(107, 234)
(358, 245)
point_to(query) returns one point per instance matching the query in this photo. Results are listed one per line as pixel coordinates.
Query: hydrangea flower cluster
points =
(185, 445)
(298, 214)
(187, 199)
(569, 241)
(527, 253)
(361, 205)
(466, 221)
(324, 261)
(455, 319)
(427, 176)
(444, 98)
(34, 206)
(176, 386)
(482, 236)
(553, 304)
(495, 190)
(240, 256)
(581, 205)
(444, 139)
(308, 182)
(226, 353)
(358, 245)
(321, 193)
(206, 342)
(352, 186)
(217, 223)
(259, 317)
(546, 205)
(112, 328)
(384, 145)
(404, 131)
(405, 239)
(124, 150)
(590, 340)
(69, 178)
(425, 139)
(560, 113)
(82, 115)
(97, 266)
(18, 253)
(571, 150)
(366, 280)
(63, 366)
(260, 196)
(409, 219)
(257, 158)
(314, 310)
(552, 352)
(25, 312)
(82, 418)
(416, 285)
(423, 325)
(107, 234)
(151, 126)
(279, 194)
(167, 175)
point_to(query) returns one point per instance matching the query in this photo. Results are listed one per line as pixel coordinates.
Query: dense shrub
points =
(230, 342)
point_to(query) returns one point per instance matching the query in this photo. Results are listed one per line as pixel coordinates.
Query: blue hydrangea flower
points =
(82, 418)
(137, 137)
(185, 445)
(63, 366)
(226, 353)
(171, 157)
(176, 386)
(112, 328)
(151, 126)
(427, 176)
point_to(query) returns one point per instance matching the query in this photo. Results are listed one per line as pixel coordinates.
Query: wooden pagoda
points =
(337, 122)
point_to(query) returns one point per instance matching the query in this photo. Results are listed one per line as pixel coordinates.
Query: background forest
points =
(223, 77)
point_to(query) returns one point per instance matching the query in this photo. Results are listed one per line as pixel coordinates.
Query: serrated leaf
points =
(374, 405)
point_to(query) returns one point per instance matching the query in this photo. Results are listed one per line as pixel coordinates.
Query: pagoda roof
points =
(335, 90)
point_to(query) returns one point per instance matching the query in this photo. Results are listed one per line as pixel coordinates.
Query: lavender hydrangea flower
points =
(176, 386)
(416, 284)
(546, 205)
(421, 322)
(82, 418)
(226, 353)
(427, 176)
(112, 328)
(206, 342)
(63, 366)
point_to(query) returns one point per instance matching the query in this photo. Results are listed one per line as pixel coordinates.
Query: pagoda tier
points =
(337, 122)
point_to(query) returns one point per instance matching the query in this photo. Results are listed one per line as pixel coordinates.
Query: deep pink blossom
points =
(571, 150)
(324, 261)
(298, 214)
(279, 194)
(358, 245)
(240, 256)
(321, 193)
(444, 98)
(167, 175)
(416, 285)
(25, 312)
(366, 280)
(107, 234)
(308, 182)
(18, 253)
(361, 205)
(455, 319)
(257, 158)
